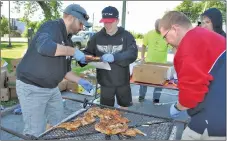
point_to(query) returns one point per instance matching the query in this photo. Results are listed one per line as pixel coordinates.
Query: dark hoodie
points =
(123, 46)
(216, 18)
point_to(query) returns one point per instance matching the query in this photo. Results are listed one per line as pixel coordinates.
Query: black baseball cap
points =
(109, 14)
(79, 12)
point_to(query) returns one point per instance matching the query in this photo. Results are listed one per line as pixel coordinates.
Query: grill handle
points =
(25, 137)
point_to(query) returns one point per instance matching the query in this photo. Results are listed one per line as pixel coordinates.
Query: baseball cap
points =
(79, 12)
(109, 14)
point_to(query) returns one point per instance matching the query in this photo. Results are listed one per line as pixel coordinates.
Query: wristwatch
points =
(175, 106)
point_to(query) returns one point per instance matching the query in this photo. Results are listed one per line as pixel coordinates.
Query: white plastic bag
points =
(171, 73)
(131, 66)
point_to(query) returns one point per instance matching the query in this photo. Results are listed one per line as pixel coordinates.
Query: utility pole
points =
(123, 14)
(0, 20)
(9, 28)
(93, 21)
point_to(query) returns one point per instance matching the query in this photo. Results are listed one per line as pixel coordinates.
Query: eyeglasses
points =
(164, 37)
(86, 17)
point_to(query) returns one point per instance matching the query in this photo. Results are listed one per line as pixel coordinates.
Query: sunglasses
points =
(164, 37)
(86, 17)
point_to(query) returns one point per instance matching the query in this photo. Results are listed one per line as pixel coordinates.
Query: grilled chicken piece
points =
(110, 128)
(96, 58)
(112, 112)
(92, 58)
(122, 119)
(94, 111)
(118, 128)
(133, 132)
(68, 126)
(102, 127)
(72, 126)
(77, 122)
(109, 114)
(88, 119)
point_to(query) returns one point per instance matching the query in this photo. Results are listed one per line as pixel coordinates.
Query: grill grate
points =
(158, 131)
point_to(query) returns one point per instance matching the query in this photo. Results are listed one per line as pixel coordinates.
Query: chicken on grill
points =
(133, 132)
(88, 119)
(72, 126)
(95, 111)
(110, 128)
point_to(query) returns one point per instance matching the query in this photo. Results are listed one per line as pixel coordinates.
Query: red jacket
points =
(193, 60)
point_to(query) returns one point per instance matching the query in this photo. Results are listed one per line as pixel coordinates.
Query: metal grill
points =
(157, 129)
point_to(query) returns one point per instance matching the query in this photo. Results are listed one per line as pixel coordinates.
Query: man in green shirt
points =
(157, 51)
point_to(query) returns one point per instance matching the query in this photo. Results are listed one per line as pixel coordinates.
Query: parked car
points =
(80, 40)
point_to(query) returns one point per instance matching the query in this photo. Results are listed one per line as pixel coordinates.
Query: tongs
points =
(147, 124)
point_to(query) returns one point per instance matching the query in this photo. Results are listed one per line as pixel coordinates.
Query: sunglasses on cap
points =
(86, 17)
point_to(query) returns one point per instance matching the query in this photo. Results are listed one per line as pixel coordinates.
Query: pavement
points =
(15, 122)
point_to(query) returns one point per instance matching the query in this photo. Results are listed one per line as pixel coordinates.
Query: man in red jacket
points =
(201, 70)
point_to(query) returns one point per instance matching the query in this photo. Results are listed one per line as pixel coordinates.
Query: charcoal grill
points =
(156, 128)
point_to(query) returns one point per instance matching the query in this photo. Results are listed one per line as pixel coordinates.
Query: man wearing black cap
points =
(118, 47)
(46, 62)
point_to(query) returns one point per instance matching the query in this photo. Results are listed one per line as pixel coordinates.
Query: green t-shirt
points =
(157, 49)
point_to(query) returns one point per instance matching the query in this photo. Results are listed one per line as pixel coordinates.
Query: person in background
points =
(157, 51)
(200, 63)
(44, 65)
(117, 47)
(212, 20)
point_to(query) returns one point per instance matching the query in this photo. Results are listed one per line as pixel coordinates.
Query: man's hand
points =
(174, 112)
(107, 58)
(79, 56)
(85, 84)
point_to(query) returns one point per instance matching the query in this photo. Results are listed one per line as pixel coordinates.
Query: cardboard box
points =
(14, 63)
(62, 85)
(77, 89)
(11, 80)
(4, 94)
(3, 79)
(13, 93)
(154, 73)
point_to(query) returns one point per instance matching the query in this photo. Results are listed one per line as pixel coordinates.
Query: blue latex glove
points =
(2, 108)
(79, 56)
(85, 84)
(174, 112)
(108, 58)
(17, 111)
(83, 61)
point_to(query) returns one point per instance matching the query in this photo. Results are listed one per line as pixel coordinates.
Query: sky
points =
(141, 15)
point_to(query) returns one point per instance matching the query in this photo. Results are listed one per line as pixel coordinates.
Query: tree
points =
(4, 27)
(193, 9)
(219, 4)
(51, 9)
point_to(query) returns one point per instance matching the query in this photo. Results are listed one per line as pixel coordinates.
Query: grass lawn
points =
(16, 51)
(9, 103)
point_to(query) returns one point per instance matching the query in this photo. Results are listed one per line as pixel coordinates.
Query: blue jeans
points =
(39, 106)
(156, 93)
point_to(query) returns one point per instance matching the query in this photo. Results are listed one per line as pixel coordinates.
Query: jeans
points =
(156, 93)
(39, 106)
